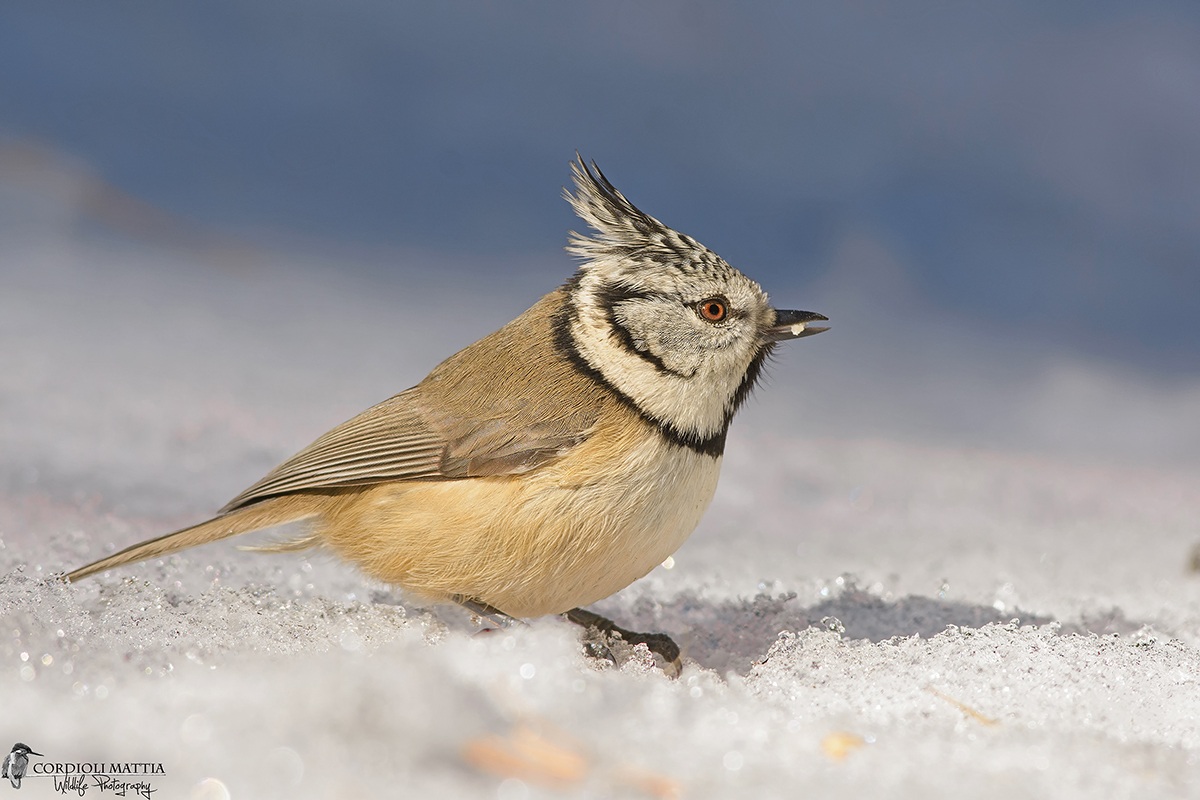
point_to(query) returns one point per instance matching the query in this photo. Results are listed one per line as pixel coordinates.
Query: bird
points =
(553, 462)
(16, 762)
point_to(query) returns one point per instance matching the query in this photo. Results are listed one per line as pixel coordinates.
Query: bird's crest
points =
(621, 229)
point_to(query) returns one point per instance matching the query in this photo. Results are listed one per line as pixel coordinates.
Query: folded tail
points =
(264, 514)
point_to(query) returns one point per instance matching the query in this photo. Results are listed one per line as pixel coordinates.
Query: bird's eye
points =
(713, 309)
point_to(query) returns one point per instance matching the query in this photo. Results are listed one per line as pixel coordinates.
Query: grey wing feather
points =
(496, 447)
(389, 441)
(396, 441)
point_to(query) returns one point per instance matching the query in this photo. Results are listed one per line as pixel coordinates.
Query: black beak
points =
(793, 325)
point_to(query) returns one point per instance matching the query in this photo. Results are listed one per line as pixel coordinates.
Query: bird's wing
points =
(400, 439)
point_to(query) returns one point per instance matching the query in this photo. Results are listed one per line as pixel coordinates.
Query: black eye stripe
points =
(609, 297)
(614, 294)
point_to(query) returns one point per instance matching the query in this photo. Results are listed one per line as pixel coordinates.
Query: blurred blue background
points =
(1031, 169)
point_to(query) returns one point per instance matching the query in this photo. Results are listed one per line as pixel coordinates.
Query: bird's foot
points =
(490, 617)
(605, 640)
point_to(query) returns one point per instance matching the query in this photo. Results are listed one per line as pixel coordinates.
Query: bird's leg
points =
(489, 614)
(659, 643)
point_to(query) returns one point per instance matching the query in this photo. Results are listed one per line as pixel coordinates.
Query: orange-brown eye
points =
(713, 309)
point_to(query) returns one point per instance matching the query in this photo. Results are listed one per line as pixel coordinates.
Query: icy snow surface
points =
(934, 567)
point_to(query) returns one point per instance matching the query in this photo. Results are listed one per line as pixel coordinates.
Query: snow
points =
(937, 561)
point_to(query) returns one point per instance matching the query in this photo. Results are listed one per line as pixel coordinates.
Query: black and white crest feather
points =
(623, 230)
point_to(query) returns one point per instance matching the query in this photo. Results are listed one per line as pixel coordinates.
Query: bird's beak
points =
(793, 325)
(35, 754)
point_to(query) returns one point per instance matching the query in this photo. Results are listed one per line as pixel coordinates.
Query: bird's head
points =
(665, 321)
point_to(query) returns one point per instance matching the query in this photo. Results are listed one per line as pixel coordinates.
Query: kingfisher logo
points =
(122, 778)
(16, 762)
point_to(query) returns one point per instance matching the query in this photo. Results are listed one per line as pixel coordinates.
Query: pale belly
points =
(541, 543)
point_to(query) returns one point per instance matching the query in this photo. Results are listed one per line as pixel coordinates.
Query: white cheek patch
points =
(688, 407)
